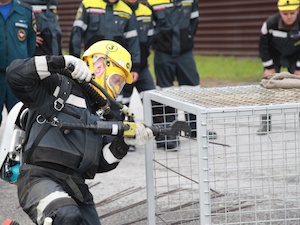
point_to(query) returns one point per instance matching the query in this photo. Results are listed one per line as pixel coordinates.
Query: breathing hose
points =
(100, 101)
(98, 98)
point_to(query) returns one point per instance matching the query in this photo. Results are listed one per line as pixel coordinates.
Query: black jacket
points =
(144, 24)
(101, 20)
(47, 23)
(35, 82)
(176, 24)
(279, 46)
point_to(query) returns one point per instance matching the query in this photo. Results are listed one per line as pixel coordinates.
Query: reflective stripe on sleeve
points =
(46, 201)
(72, 99)
(108, 156)
(194, 15)
(268, 63)
(41, 67)
(81, 24)
(264, 29)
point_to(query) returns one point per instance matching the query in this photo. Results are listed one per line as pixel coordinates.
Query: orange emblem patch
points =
(79, 13)
(21, 35)
(34, 22)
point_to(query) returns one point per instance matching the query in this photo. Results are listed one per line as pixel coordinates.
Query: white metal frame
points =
(281, 104)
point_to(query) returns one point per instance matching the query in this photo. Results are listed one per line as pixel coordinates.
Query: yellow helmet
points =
(288, 5)
(117, 65)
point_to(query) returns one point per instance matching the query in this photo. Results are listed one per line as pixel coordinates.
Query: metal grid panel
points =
(238, 178)
(235, 96)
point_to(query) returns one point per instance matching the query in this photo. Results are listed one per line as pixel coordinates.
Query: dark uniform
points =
(279, 47)
(145, 30)
(176, 24)
(101, 20)
(45, 12)
(17, 38)
(52, 180)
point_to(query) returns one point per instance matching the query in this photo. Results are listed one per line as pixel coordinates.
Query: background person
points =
(57, 162)
(48, 40)
(175, 27)
(145, 30)
(106, 20)
(279, 46)
(17, 38)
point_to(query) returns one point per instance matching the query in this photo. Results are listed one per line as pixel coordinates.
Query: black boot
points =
(191, 120)
(265, 126)
(167, 142)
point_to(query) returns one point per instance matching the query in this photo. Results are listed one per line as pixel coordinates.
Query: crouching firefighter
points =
(56, 162)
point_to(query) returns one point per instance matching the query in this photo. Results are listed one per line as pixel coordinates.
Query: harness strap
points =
(48, 113)
(89, 158)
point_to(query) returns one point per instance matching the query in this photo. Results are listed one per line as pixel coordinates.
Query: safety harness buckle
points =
(54, 122)
(59, 104)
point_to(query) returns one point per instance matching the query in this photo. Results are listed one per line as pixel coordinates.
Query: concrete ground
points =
(113, 191)
(120, 195)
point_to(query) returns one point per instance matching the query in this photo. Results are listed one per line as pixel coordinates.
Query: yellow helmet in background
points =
(117, 65)
(288, 5)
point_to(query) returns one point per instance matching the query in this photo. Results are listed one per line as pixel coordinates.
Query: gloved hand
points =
(81, 71)
(142, 136)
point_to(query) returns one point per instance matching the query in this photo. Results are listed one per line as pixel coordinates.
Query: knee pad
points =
(67, 215)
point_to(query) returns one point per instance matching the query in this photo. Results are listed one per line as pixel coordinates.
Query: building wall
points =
(229, 27)
(67, 11)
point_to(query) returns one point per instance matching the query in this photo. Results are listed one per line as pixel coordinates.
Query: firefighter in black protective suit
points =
(56, 163)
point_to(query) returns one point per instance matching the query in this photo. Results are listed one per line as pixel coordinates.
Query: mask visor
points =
(116, 81)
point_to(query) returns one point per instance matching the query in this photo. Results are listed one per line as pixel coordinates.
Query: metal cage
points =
(228, 173)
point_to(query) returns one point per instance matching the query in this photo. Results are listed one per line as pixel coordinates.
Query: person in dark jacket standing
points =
(17, 38)
(144, 24)
(279, 45)
(106, 20)
(58, 157)
(48, 40)
(176, 24)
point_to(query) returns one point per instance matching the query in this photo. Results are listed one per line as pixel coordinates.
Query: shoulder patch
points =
(79, 13)
(34, 22)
